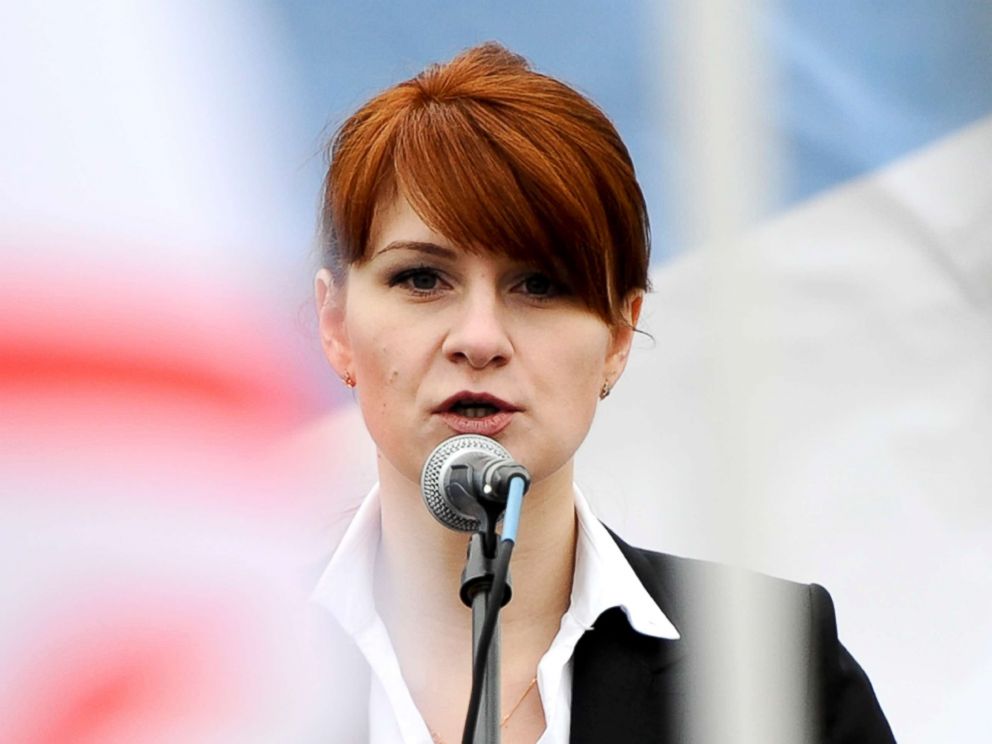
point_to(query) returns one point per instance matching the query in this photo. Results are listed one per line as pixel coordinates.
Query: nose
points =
(478, 335)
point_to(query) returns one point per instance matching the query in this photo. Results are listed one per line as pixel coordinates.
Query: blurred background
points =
(814, 399)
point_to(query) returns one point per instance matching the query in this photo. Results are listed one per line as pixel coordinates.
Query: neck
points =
(419, 576)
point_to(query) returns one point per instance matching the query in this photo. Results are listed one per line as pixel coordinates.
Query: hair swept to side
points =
(494, 156)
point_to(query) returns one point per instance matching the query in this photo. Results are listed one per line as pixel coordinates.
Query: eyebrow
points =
(432, 249)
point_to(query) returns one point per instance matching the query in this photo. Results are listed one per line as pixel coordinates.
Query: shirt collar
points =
(602, 579)
(347, 586)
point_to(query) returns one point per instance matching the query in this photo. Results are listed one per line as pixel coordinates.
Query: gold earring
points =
(348, 380)
(605, 390)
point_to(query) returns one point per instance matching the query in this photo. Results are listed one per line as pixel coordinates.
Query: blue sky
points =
(855, 84)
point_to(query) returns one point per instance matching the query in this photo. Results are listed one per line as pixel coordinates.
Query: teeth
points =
(477, 411)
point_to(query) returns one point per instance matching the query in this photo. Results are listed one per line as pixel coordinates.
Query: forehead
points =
(396, 224)
(395, 219)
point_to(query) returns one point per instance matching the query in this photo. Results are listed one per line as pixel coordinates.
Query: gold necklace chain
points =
(436, 738)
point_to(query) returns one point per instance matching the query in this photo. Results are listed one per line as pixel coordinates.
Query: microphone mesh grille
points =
(430, 477)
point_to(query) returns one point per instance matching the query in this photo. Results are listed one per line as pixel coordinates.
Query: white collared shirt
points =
(603, 579)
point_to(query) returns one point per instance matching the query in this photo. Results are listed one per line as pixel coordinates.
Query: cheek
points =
(571, 377)
(376, 351)
(580, 362)
(389, 368)
(588, 370)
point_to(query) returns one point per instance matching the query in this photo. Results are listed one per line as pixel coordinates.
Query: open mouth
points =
(476, 413)
(474, 409)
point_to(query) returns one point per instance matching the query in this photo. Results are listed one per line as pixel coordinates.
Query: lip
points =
(492, 400)
(487, 426)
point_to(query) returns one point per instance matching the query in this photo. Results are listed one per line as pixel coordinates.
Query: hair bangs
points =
(471, 173)
(495, 157)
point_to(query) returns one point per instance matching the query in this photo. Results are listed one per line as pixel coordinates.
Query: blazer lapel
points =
(627, 687)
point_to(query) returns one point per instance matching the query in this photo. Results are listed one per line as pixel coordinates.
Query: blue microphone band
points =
(514, 503)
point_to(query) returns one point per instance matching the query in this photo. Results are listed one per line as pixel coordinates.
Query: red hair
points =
(494, 156)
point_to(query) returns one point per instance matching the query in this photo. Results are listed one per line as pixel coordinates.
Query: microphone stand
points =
(474, 489)
(477, 581)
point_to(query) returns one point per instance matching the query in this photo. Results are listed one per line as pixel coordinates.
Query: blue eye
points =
(420, 280)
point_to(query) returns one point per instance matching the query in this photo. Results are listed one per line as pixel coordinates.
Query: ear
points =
(623, 337)
(330, 299)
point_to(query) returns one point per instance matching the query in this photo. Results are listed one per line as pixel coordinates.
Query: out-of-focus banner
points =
(156, 554)
(175, 460)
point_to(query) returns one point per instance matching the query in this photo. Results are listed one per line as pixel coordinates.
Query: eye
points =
(421, 280)
(540, 286)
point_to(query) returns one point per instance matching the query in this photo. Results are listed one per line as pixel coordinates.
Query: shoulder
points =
(788, 632)
(684, 587)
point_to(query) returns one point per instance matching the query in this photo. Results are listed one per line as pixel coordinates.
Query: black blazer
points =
(632, 688)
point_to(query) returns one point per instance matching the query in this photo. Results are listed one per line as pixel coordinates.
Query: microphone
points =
(465, 482)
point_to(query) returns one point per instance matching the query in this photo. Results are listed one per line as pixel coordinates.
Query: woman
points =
(485, 258)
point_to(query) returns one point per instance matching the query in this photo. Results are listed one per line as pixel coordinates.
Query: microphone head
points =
(432, 478)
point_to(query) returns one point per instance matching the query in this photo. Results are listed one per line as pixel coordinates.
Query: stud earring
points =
(605, 390)
(348, 380)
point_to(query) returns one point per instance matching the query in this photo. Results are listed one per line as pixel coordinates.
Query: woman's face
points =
(441, 341)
